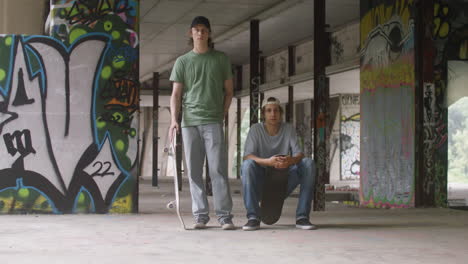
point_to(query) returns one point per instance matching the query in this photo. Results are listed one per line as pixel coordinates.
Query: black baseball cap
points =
(201, 20)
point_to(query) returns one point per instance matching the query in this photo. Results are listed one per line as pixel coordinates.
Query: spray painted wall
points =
(68, 112)
(345, 43)
(350, 137)
(450, 39)
(387, 103)
(303, 122)
(277, 67)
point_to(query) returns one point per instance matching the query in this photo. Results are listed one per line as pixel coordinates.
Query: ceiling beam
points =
(235, 30)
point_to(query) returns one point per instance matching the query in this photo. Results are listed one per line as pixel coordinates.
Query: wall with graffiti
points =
(276, 67)
(68, 105)
(387, 103)
(350, 137)
(304, 57)
(450, 40)
(303, 118)
(344, 43)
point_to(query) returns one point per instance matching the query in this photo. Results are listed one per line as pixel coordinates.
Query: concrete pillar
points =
(22, 16)
(254, 71)
(239, 120)
(424, 71)
(81, 139)
(321, 102)
(154, 180)
(291, 72)
(147, 142)
(178, 156)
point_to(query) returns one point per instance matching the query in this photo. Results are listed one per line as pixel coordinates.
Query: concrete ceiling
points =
(165, 26)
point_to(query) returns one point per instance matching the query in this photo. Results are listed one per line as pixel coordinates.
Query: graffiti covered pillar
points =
(238, 121)
(387, 103)
(68, 110)
(116, 94)
(450, 42)
(291, 72)
(424, 73)
(321, 105)
(254, 71)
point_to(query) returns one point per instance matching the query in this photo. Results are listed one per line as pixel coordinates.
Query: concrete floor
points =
(345, 235)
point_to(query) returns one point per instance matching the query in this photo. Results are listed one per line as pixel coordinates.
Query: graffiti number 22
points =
(102, 170)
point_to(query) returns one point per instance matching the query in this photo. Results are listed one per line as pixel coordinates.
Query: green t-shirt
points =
(202, 76)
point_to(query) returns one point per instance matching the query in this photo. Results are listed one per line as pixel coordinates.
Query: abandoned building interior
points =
(375, 89)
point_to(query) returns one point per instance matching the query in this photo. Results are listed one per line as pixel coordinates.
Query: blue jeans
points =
(302, 173)
(209, 140)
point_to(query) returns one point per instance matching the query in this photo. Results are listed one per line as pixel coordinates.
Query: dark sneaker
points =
(199, 224)
(305, 224)
(252, 224)
(226, 224)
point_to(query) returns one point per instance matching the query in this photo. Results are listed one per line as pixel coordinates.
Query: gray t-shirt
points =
(262, 145)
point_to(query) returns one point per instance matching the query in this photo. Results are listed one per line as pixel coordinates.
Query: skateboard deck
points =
(176, 202)
(273, 194)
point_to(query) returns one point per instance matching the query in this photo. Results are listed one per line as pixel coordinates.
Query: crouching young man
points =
(264, 142)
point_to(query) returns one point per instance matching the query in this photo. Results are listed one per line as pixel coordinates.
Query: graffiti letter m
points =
(22, 140)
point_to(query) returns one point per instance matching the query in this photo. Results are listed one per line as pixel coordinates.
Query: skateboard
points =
(176, 203)
(273, 194)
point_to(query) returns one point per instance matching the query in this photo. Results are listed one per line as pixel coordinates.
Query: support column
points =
(262, 70)
(239, 120)
(291, 72)
(154, 179)
(179, 155)
(254, 73)
(262, 79)
(290, 105)
(260, 100)
(424, 70)
(321, 102)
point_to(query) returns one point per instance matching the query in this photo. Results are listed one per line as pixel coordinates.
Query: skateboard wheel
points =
(170, 205)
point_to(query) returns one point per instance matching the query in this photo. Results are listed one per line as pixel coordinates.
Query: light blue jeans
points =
(302, 173)
(209, 140)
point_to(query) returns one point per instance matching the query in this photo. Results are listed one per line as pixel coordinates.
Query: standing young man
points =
(202, 85)
(264, 143)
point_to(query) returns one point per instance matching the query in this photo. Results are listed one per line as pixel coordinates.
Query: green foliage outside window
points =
(458, 142)
(245, 126)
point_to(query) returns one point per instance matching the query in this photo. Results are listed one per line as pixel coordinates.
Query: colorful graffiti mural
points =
(387, 104)
(68, 112)
(303, 118)
(350, 137)
(450, 39)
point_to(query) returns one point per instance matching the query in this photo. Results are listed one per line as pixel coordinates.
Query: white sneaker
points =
(199, 225)
(227, 225)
